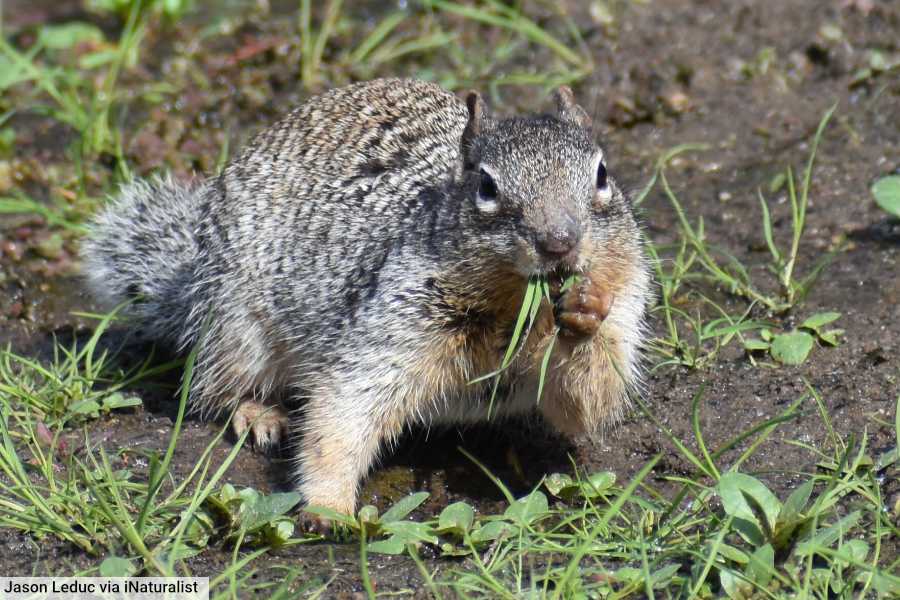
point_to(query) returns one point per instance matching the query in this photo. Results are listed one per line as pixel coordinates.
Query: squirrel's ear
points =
(476, 114)
(568, 110)
(474, 127)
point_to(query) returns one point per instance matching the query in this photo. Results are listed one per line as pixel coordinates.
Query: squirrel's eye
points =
(486, 198)
(487, 189)
(601, 176)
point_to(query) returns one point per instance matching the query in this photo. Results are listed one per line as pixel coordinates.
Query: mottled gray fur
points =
(348, 258)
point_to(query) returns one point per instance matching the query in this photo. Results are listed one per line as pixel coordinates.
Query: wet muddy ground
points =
(750, 78)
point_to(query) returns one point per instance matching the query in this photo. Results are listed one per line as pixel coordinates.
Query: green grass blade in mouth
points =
(545, 363)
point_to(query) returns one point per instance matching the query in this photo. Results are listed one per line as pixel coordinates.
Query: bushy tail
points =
(144, 247)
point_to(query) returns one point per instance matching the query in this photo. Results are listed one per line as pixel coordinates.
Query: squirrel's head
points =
(538, 185)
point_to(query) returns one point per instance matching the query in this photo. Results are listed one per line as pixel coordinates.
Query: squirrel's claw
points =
(267, 424)
(582, 309)
(314, 524)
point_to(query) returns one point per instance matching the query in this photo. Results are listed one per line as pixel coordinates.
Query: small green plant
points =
(592, 487)
(772, 528)
(385, 44)
(414, 32)
(457, 531)
(793, 347)
(392, 523)
(314, 42)
(698, 327)
(248, 516)
(692, 339)
(80, 89)
(497, 14)
(170, 8)
(887, 194)
(569, 59)
(784, 261)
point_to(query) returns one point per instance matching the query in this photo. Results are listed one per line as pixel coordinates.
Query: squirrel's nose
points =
(558, 242)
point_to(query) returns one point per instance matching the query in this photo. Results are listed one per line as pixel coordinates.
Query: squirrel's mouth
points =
(558, 266)
(558, 278)
(562, 272)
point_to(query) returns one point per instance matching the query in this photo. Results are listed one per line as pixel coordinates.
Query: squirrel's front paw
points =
(582, 308)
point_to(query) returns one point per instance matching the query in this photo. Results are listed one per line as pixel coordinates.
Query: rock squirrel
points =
(367, 256)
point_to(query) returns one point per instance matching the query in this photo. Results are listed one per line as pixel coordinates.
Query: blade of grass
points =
(711, 558)
(767, 229)
(376, 37)
(698, 433)
(545, 363)
(583, 548)
(364, 565)
(515, 21)
(496, 480)
(799, 208)
(685, 451)
(157, 475)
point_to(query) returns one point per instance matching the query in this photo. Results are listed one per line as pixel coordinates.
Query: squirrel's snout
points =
(558, 243)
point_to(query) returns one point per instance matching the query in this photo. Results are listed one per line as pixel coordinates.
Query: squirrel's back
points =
(346, 175)
(356, 149)
(329, 172)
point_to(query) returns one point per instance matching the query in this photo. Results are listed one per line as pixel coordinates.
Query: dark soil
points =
(669, 73)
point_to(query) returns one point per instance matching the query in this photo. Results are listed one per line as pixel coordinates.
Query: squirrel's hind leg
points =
(245, 379)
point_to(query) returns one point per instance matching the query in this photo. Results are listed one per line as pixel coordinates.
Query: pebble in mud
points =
(11, 250)
(15, 310)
